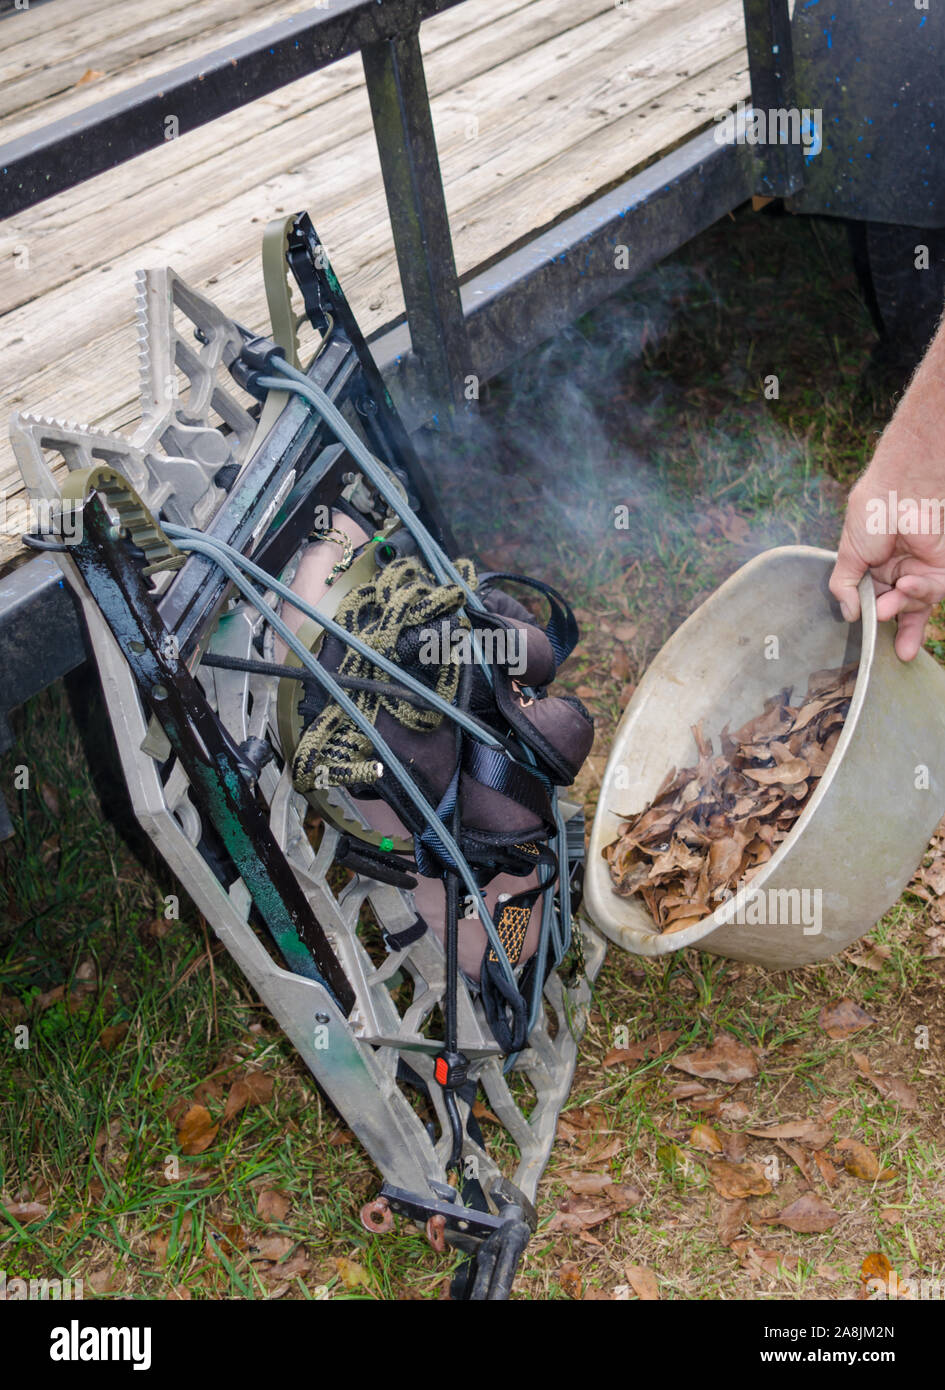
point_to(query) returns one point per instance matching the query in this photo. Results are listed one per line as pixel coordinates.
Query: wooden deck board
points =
(570, 96)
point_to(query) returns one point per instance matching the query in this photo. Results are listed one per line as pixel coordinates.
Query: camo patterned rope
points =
(333, 751)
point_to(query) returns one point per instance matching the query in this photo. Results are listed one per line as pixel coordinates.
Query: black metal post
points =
(406, 143)
(771, 62)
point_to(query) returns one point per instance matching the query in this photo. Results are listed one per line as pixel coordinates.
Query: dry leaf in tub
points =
(711, 825)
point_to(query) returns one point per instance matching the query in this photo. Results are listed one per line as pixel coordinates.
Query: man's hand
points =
(895, 521)
(908, 572)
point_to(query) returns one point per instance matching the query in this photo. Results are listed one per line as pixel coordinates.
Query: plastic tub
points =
(866, 826)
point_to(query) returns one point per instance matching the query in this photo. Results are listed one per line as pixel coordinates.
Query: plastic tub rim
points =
(713, 921)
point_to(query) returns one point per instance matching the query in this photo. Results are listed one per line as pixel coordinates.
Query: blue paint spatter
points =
(922, 20)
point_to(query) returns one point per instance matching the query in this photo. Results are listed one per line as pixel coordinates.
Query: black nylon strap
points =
(498, 771)
(363, 858)
(397, 941)
(562, 630)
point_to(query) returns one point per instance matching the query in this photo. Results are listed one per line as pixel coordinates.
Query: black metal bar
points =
(780, 167)
(41, 634)
(386, 435)
(289, 446)
(222, 792)
(406, 144)
(99, 137)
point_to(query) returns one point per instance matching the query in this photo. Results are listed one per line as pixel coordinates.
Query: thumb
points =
(847, 573)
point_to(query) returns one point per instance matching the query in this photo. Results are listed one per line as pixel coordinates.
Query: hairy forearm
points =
(910, 455)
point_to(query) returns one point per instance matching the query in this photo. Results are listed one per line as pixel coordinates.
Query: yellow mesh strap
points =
(512, 928)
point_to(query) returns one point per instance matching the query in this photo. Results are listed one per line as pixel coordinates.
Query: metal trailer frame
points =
(452, 329)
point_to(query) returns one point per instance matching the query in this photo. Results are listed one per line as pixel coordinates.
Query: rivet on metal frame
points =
(377, 1216)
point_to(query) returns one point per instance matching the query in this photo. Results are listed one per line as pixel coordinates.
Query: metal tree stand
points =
(202, 746)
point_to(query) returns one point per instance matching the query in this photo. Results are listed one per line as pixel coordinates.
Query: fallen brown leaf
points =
(582, 1213)
(620, 665)
(734, 1111)
(482, 1112)
(809, 1213)
(843, 1019)
(726, 1060)
(351, 1274)
(157, 928)
(619, 1056)
(761, 1262)
(209, 1089)
(798, 1156)
(705, 1138)
(196, 1130)
(876, 1266)
(863, 1163)
(686, 1090)
(263, 1247)
(643, 1282)
(652, 1046)
(734, 1145)
(734, 1180)
(814, 1133)
(588, 1184)
(272, 1204)
(159, 1243)
(25, 1212)
(111, 1036)
(253, 1088)
(889, 1087)
(732, 1217)
(570, 1280)
(107, 1280)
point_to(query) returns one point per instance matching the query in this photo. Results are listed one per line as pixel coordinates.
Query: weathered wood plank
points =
(565, 105)
(269, 135)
